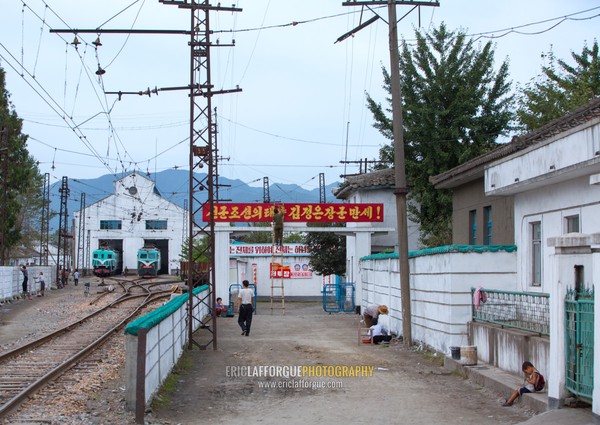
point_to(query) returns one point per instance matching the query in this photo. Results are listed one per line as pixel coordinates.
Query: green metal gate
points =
(579, 326)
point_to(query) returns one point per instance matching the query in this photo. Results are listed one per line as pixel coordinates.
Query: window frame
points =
(473, 227)
(161, 222)
(536, 255)
(111, 224)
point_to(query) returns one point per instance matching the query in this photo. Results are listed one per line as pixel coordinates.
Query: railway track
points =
(33, 366)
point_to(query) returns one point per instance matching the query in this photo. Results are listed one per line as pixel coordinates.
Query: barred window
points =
(156, 224)
(110, 225)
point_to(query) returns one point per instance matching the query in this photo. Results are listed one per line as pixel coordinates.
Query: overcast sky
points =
(302, 106)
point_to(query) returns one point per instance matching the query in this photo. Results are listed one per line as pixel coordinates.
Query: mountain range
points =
(173, 185)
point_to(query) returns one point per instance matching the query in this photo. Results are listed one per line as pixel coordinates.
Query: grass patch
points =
(163, 397)
(433, 357)
(459, 373)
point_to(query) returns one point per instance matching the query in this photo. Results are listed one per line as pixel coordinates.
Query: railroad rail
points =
(32, 366)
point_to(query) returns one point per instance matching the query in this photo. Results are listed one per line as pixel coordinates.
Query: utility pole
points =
(79, 262)
(4, 154)
(322, 197)
(45, 225)
(202, 149)
(63, 229)
(266, 194)
(401, 188)
(86, 262)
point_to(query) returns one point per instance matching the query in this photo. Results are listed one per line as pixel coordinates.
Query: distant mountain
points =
(173, 185)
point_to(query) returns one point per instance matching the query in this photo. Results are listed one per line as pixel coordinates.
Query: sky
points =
(302, 108)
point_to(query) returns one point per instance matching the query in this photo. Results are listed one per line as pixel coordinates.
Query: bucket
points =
(455, 353)
(468, 355)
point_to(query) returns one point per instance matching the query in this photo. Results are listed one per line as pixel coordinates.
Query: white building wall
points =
(567, 152)
(550, 206)
(390, 219)
(133, 209)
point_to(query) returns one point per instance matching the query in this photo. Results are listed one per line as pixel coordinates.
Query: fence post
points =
(140, 381)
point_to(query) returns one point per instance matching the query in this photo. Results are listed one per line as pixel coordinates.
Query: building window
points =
(473, 227)
(487, 225)
(536, 253)
(156, 224)
(110, 224)
(572, 224)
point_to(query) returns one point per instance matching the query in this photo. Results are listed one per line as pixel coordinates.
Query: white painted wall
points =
(550, 181)
(11, 280)
(570, 153)
(390, 220)
(295, 287)
(551, 206)
(122, 205)
(164, 344)
(440, 291)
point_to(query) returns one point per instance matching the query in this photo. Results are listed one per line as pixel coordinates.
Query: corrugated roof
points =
(376, 179)
(476, 165)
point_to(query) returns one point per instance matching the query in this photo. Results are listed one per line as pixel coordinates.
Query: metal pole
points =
(400, 174)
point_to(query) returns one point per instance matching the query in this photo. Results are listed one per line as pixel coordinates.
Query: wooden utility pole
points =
(400, 175)
(401, 187)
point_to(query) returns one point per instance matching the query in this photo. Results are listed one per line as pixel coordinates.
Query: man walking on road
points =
(245, 308)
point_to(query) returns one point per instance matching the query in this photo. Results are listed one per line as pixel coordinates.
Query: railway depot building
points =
(136, 215)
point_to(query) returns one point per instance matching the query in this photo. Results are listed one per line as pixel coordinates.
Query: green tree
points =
(455, 105)
(327, 252)
(560, 88)
(201, 252)
(20, 180)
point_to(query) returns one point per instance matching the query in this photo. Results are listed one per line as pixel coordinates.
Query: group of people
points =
(27, 290)
(245, 307)
(376, 318)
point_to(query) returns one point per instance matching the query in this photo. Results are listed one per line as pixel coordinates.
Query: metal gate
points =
(338, 297)
(579, 326)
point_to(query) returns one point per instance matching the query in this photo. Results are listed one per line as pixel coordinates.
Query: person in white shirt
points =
(245, 308)
(380, 331)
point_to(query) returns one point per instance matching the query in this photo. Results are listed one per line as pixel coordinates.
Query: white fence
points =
(11, 280)
(440, 288)
(154, 343)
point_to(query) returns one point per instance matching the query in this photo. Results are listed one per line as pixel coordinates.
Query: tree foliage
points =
(327, 252)
(20, 180)
(560, 88)
(201, 252)
(455, 105)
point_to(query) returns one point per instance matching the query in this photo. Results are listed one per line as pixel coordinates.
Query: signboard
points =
(264, 250)
(295, 213)
(279, 271)
(295, 271)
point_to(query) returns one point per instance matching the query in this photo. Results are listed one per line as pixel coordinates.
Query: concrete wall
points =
(164, 343)
(471, 196)
(11, 280)
(507, 349)
(440, 291)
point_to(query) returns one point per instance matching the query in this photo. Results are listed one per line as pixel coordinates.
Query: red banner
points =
(296, 213)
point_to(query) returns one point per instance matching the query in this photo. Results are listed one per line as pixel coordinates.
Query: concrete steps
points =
(500, 381)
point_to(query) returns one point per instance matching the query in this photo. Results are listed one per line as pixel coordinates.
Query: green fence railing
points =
(527, 311)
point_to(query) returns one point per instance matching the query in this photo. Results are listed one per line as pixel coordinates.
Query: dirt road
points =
(406, 386)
